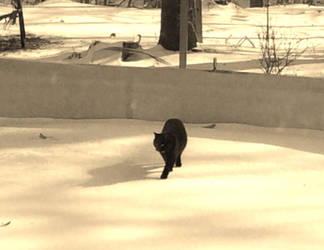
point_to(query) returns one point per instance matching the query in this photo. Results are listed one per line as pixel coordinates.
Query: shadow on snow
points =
(121, 172)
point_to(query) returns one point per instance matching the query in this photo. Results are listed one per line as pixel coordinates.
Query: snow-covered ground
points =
(94, 184)
(77, 25)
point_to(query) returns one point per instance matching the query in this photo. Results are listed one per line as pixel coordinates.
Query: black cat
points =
(171, 143)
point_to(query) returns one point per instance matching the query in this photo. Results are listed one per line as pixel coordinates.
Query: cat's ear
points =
(155, 134)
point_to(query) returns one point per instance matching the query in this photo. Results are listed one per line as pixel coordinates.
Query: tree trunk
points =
(21, 24)
(170, 25)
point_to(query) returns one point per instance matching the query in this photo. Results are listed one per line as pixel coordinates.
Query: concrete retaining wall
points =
(37, 89)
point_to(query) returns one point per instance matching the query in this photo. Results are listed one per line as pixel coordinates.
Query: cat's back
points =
(175, 126)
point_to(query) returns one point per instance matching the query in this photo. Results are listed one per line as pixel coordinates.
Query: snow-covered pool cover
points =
(94, 184)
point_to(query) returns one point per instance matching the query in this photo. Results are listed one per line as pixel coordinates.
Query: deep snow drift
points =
(94, 184)
(77, 25)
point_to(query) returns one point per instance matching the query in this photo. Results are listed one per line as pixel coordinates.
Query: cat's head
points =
(160, 142)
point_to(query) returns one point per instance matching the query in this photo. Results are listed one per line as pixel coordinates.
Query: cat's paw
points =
(164, 175)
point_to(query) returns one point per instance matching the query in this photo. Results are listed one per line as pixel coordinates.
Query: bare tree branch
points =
(276, 55)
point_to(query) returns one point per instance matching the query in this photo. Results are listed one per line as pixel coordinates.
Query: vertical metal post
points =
(21, 24)
(268, 24)
(183, 41)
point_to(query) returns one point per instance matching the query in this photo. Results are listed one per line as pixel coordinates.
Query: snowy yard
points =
(72, 28)
(94, 184)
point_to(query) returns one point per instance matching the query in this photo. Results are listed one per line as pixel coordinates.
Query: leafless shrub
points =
(278, 53)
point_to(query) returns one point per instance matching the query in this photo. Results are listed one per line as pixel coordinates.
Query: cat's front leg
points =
(165, 173)
(168, 168)
(178, 162)
(165, 158)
